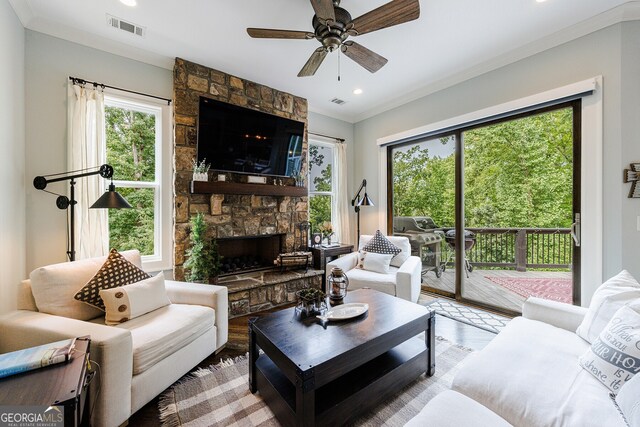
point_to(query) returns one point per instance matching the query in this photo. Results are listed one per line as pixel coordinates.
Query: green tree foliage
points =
(319, 205)
(130, 140)
(133, 228)
(424, 185)
(517, 174)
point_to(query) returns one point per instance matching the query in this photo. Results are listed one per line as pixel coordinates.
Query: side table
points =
(321, 256)
(63, 384)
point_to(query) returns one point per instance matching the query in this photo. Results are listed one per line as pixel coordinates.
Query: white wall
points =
(12, 156)
(49, 63)
(328, 126)
(629, 246)
(595, 54)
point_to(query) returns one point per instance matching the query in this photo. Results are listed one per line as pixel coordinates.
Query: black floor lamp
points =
(110, 199)
(357, 201)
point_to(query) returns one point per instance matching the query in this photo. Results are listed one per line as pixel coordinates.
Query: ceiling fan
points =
(333, 25)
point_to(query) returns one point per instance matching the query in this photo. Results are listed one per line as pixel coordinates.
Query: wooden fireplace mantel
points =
(217, 187)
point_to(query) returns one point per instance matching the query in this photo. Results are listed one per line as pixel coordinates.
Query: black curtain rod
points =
(327, 136)
(77, 80)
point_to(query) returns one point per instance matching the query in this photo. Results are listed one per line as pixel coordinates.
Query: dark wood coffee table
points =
(309, 375)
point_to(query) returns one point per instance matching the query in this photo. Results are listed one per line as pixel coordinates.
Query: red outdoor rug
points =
(555, 289)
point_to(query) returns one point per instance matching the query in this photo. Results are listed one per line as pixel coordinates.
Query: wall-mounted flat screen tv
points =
(237, 139)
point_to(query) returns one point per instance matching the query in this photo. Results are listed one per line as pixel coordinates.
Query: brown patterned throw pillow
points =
(115, 272)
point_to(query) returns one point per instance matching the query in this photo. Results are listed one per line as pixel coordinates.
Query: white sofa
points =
(403, 281)
(139, 358)
(527, 376)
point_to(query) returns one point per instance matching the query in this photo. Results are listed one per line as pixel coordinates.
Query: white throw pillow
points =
(628, 401)
(372, 261)
(54, 286)
(614, 358)
(405, 246)
(130, 301)
(608, 298)
(400, 242)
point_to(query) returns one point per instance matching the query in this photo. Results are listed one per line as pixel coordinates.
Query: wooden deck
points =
(478, 288)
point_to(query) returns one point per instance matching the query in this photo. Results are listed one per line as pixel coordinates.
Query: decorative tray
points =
(345, 311)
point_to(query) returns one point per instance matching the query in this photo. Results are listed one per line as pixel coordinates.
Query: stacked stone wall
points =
(228, 215)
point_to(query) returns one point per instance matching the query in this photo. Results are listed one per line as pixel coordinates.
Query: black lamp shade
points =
(365, 201)
(111, 199)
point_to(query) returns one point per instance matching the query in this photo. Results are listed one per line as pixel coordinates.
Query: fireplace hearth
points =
(249, 253)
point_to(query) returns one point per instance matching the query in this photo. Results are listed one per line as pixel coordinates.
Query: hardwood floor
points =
(457, 332)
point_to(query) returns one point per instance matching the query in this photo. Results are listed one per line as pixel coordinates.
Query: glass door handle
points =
(575, 230)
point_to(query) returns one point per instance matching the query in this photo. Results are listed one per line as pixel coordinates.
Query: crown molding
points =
(23, 9)
(626, 12)
(101, 43)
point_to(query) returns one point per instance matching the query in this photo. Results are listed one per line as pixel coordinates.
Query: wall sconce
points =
(357, 202)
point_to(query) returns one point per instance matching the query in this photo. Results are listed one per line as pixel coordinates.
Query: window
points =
(135, 134)
(322, 188)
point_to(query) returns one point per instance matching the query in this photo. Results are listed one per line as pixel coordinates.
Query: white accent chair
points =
(139, 358)
(404, 277)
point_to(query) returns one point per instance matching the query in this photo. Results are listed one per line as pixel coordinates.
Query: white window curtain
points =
(86, 146)
(341, 205)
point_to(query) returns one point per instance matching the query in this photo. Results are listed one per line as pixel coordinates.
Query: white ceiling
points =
(451, 41)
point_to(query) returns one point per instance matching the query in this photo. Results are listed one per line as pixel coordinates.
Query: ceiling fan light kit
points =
(333, 25)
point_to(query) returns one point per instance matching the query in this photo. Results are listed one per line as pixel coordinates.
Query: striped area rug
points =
(220, 396)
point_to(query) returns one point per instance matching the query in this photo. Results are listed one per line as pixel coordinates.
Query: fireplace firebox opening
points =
(249, 253)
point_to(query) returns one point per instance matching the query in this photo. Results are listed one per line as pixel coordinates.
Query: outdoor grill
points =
(425, 238)
(469, 242)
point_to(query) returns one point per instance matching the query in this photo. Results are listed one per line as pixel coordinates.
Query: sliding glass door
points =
(423, 186)
(489, 208)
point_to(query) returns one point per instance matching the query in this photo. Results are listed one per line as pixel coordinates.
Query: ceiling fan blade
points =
(313, 63)
(324, 10)
(268, 33)
(390, 14)
(368, 59)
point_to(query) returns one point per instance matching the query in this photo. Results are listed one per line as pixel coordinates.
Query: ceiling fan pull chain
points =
(339, 64)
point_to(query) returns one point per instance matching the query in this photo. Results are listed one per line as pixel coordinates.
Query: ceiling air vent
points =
(338, 101)
(123, 25)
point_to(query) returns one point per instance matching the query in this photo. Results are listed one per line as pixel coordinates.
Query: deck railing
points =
(520, 248)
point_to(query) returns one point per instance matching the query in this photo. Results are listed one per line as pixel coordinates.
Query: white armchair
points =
(138, 359)
(402, 280)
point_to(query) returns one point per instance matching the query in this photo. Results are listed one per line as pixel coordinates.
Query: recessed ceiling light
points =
(357, 91)
(541, 1)
(129, 3)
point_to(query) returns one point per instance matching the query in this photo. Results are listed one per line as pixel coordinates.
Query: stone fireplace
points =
(249, 221)
(237, 210)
